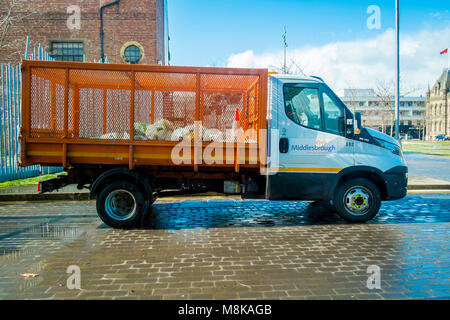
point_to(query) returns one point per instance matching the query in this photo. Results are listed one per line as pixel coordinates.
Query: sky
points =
(330, 39)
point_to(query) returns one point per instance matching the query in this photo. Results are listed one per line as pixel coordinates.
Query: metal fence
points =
(10, 115)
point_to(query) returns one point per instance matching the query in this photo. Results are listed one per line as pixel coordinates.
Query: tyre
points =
(357, 200)
(121, 205)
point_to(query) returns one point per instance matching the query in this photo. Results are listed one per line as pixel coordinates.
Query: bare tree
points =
(385, 93)
(11, 18)
(352, 95)
(293, 68)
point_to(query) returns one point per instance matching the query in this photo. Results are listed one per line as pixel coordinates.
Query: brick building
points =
(438, 109)
(134, 31)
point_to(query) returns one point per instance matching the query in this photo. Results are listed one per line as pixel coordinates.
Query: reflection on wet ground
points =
(227, 249)
(222, 214)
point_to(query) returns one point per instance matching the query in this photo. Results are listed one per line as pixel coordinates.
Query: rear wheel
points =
(357, 200)
(121, 205)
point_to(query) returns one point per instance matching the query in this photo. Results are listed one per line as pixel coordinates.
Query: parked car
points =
(441, 137)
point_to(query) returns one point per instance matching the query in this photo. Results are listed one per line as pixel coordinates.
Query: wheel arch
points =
(370, 173)
(122, 174)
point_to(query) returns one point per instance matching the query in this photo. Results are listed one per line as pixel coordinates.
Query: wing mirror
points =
(358, 120)
(341, 125)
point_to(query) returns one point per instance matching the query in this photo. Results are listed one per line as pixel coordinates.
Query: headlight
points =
(395, 149)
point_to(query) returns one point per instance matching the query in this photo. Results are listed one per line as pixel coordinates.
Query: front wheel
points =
(121, 205)
(357, 200)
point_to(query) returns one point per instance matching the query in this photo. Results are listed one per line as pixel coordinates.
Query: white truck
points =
(130, 132)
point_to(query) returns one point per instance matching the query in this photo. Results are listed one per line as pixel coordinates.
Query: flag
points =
(445, 51)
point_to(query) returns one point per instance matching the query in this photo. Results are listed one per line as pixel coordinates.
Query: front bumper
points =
(396, 180)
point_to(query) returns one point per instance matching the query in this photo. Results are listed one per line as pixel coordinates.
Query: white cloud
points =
(361, 63)
(439, 14)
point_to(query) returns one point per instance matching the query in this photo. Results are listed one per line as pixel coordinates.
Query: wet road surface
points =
(227, 249)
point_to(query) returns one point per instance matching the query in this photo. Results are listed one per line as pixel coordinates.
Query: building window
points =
(132, 52)
(67, 50)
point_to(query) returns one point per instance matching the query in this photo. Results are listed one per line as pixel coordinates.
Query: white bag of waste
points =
(213, 135)
(160, 131)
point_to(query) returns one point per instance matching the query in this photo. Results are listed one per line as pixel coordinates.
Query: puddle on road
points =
(9, 254)
(220, 214)
(43, 230)
(50, 231)
(23, 249)
(30, 283)
(223, 214)
(18, 241)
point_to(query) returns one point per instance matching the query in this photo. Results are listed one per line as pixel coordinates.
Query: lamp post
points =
(397, 69)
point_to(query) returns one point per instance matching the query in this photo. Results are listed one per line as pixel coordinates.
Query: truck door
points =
(313, 140)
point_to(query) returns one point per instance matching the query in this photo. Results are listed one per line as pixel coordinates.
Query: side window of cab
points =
(334, 115)
(302, 105)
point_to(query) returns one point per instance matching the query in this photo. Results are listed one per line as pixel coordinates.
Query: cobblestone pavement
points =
(227, 249)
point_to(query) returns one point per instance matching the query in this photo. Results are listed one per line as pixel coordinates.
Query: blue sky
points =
(208, 32)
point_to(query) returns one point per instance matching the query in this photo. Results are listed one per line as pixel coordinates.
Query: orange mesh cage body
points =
(75, 113)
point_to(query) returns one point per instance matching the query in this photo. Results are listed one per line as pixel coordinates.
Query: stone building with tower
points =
(126, 31)
(438, 108)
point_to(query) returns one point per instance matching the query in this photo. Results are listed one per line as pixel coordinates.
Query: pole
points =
(27, 47)
(285, 46)
(397, 69)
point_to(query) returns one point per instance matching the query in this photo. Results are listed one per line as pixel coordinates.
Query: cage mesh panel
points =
(160, 81)
(174, 98)
(46, 122)
(252, 103)
(142, 106)
(40, 105)
(91, 113)
(110, 120)
(227, 82)
(118, 113)
(105, 97)
(60, 108)
(223, 95)
(219, 109)
(177, 107)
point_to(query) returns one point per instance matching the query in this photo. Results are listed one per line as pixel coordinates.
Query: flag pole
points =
(397, 70)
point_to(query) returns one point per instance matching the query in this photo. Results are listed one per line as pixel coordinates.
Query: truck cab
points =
(319, 151)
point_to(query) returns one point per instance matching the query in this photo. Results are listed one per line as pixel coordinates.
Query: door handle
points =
(284, 145)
